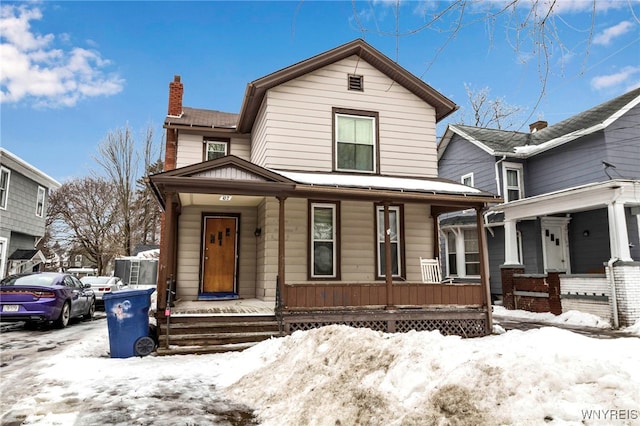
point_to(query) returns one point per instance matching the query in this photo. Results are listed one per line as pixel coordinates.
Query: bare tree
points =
(119, 160)
(485, 112)
(147, 210)
(83, 213)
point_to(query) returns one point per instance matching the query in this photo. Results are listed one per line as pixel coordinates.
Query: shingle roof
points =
(503, 141)
(22, 254)
(195, 117)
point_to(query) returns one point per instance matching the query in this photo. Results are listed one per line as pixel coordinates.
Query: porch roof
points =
(580, 198)
(234, 176)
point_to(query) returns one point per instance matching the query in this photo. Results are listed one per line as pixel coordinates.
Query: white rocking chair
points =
(431, 272)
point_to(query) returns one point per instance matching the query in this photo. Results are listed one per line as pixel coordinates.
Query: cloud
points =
(621, 77)
(604, 38)
(34, 69)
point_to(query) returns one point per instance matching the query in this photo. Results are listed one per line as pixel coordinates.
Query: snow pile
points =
(576, 318)
(342, 376)
(338, 375)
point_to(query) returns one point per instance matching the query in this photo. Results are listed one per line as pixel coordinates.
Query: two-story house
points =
(321, 195)
(572, 207)
(23, 208)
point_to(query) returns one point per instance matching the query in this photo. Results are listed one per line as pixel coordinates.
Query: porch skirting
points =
(449, 321)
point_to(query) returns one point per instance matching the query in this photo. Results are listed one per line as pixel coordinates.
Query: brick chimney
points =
(538, 125)
(175, 97)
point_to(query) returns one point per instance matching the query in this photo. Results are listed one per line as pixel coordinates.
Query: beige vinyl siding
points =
(189, 249)
(191, 149)
(418, 240)
(293, 129)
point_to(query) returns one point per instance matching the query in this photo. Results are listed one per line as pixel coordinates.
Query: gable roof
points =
(257, 89)
(524, 144)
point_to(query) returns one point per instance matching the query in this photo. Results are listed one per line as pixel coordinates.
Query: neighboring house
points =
(24, 192)
(572, 206)
(289, 200)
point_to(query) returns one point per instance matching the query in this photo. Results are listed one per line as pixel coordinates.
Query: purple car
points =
(45, 296)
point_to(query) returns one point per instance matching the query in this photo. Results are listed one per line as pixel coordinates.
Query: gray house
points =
(571, 212)
(23, 208)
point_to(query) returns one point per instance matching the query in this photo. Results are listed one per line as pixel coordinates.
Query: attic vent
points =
(355, 82)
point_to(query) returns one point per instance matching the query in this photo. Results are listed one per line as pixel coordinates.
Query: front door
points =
(219, 255)
(554, 241)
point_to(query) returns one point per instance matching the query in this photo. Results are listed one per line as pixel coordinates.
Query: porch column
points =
(388, 271)
(484, 267)
(281, 254)
(167, 252)
(618, 236)
(510, 243)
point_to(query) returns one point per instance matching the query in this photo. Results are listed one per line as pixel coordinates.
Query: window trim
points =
(518, 167)
(4, 198)
(376, 138)
(43, 191)
(4, 246)
(402, 266)
(459, 243)
(337, 271)
(469, 176)
(205, 144)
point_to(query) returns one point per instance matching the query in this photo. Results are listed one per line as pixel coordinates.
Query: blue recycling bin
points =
(128, 322)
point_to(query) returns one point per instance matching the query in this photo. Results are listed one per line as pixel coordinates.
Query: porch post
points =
(388, 271)
(281, 254)
(484, 270)
(510, 243)
(618, 236)
(167, 252)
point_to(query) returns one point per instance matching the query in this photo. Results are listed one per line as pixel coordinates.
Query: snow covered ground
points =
(343, 376)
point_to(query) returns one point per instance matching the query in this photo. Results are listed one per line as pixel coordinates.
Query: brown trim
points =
(401, 247)
(280, 282)
(207, 139)
(376, 148)
(337, 242)
(203, 217)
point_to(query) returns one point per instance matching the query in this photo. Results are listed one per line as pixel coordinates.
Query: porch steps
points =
(198, 334)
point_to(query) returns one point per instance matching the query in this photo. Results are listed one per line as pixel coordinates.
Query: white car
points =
(102, 285)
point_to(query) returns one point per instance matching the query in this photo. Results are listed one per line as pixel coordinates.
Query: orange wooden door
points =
(219, 257)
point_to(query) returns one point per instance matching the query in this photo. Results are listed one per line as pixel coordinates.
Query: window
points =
(463, 242)
(512, 180)
(451, 253)
(467, 179)
(5, 174)
(40, 202)
(215, 149)
(471, 252)
(324, 231)
(395, 237)
(355, 139)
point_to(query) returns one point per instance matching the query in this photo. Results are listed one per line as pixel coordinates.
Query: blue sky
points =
(71, 72)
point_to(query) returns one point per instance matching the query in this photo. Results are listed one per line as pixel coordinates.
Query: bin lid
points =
(128, 293)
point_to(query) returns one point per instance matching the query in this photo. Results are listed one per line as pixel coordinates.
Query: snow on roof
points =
(378, 182)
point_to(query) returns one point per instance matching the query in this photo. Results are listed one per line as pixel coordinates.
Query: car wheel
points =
(65, 314)
(91, 311)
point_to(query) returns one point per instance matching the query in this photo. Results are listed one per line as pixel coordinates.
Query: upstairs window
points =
(40, 202)
(512, 181)
(355, 142)
(215, 149)
(467, 179)
(5, 174)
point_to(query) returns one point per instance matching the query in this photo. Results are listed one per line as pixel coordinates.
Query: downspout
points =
(614, 298)
(504, 157)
